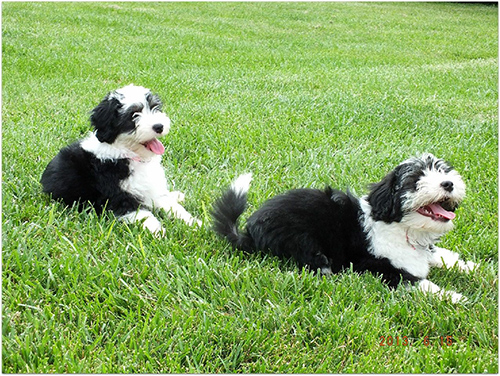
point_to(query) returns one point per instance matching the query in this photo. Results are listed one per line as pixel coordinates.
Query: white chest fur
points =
(147, 178)
(392, 240)
(146, 181)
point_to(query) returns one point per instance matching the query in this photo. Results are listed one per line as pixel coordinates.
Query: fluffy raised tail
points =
(228, 208)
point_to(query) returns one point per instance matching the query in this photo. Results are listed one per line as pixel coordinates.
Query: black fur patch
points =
(318, 229)
(110, 120)
(77, 176)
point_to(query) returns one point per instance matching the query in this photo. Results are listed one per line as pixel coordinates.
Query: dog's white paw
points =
(468, 266)
(177, 196)
(153, 225)
(181, 213)
(193, 222)
(149, 221)
(456, 297)
(427, 286)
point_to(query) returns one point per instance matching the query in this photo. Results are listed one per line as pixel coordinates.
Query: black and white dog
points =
(390, 232)
(118, 166)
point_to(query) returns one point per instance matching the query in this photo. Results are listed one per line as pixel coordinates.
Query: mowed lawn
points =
(299, 94)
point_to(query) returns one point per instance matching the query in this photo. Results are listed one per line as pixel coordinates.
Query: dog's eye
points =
(135, 115)
(156, 108)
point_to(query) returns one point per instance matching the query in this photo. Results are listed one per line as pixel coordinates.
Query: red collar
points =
(408, 241)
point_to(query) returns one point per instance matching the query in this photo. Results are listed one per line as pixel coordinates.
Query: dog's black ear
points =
(105, 119)
(385, 199)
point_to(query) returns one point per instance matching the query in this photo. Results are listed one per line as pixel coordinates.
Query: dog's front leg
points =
(170, 203)
(179, 212)
(444, 257)
(150, 221)
(427, 286)
(177, 196)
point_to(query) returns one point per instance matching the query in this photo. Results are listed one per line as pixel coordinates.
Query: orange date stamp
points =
(427, 341)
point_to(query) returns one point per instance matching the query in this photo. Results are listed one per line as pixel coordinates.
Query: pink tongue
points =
(155, 146)
(439, 211)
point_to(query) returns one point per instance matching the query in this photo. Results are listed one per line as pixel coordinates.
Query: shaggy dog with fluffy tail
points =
(391, 232)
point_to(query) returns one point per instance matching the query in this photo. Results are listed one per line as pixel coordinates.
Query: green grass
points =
(300, 94)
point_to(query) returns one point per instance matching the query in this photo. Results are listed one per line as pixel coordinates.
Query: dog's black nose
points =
(447, 186)
(158, 128)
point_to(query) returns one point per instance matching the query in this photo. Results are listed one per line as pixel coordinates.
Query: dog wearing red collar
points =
(391, 232)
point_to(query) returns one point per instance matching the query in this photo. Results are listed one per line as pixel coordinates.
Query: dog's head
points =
(422, 192)
(131, 117)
